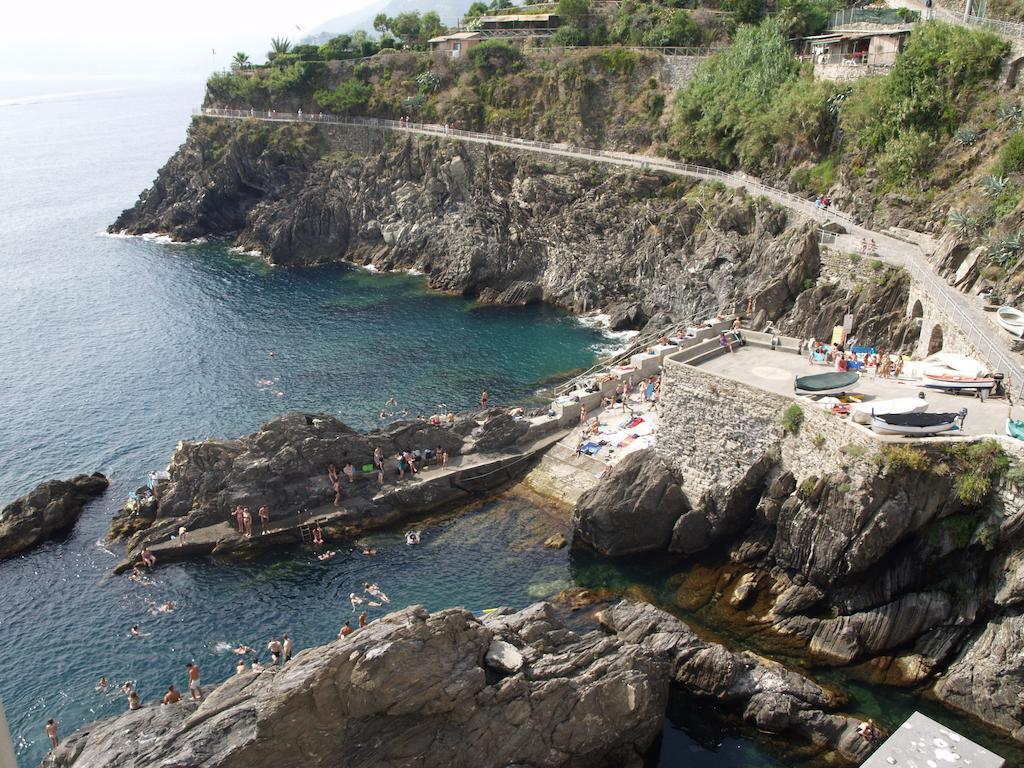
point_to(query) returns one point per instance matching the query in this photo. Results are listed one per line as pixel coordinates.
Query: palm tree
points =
(241, 61)
(280, 44)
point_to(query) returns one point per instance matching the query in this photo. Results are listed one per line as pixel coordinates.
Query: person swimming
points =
(355, 600)
(412, 538)
(373, 589)
(369, 551)
(102, 685)
(242, 650)
(327, 555)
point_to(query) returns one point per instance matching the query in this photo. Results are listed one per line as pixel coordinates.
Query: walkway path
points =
(961, 310)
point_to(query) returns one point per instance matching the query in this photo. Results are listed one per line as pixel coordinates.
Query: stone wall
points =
(842, 72)
(677, 71)
(935, 323)
(714, 428)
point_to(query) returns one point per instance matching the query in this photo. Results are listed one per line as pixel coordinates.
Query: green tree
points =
(432, 26)
(240, 61)
(573, 11)
(339, 47)
(745, 11)
(381, 23)
(806, 17)
(492, 56)
(729, 89)
(476, 9)
(407, 26)
(280, 44)
(306, 52)
(347, 96)
(677, 29)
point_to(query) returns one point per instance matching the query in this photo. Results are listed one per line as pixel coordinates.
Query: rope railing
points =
(924, 276)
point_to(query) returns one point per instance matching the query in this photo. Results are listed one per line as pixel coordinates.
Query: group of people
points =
(844, 357)
(823, 202)
(243, 518)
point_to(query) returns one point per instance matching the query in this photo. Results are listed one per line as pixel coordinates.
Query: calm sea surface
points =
(113, 349)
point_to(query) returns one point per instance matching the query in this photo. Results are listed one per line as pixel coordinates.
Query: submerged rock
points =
(411, 688)
(46, 510)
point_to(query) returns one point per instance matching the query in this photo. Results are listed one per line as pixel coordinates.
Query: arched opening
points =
(935, 340)
(917, 310)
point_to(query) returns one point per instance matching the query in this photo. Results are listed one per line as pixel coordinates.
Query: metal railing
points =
(886, 16)
(939, 292)
(860, 59)
(671, 50)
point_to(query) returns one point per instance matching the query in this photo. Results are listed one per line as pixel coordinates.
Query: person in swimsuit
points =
(173, 696)
(318, 536)
(286, 646)
(484, 399)
(274, 647)
(362, 619)
(134, 702)
(240, 667)
(349, 471)
(240, 518)
(51, 731)
(264, 514)
(247, 519)
(194, 689)
(345, 630)
(148, 558)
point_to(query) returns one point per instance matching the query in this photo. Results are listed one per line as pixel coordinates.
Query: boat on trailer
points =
(836, 383)
(862, 413)
(1012, 320)
(917, 424)
(955, 382)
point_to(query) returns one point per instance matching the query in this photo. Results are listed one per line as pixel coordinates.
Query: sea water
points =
(112, 349)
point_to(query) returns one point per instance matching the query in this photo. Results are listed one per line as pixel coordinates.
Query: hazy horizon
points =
(116, 39)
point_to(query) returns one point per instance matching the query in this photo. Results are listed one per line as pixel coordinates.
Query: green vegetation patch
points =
(792, 418)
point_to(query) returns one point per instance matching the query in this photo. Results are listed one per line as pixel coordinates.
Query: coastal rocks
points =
(632, 510)
(285, 467)
(986, 680)
(765, 693)
(411, 686)
(46, 510)
(484, 222)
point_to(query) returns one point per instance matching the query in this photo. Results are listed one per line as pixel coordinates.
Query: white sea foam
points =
(152, 237)
(243, 252)
(594, 321)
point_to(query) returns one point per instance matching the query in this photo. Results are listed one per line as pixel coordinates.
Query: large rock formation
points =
(500, 225)
(447, 689)
(634, 511)
(46, 510)
(442, 689)
(768, 696)
(285, 467)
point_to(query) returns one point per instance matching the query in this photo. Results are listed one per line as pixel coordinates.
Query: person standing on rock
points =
(247, 520)
(194, 689)
(484, 399)
(240, 517)
(362, 619)
(51, 731)
(264, 518)
(148, 558)
(349, 470)
(286, 646)
(274, 648)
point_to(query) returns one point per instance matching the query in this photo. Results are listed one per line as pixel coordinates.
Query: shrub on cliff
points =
(493, 56)
(792, 418)
(899, 117)
(348, 95)
(729, 90)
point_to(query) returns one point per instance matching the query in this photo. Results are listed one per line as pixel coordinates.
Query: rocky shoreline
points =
(449, 689)
(284, 466)
(46, 511)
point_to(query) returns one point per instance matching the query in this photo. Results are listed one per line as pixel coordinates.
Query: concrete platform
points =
(923, 743)
(775, 371)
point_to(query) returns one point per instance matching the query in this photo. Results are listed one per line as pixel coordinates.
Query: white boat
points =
(916, 424)
(1012, 320)
(862, 412)
(944, 381)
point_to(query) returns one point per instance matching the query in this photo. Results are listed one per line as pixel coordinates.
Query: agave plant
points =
(1011, 113)
(994, 185)
(966, 137)
(1007, 251)
(428, 81)
(964, 222)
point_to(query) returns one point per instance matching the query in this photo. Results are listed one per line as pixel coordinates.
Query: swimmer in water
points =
(355, 600)
(242, 650)
(369, 551)
(412, 538)
(374, 590)
(327, 555)
(135, 631)
(127, 687)
(102, 685)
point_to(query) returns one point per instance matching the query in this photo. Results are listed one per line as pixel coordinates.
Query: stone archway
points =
(935, 340)
(917, 311)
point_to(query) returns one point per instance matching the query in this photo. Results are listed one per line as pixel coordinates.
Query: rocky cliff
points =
(902, 564)
(447, 689)
(285, 464)
(47, 510)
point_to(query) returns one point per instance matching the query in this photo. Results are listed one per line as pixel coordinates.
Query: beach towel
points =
(630, 423)
(591, 449)
(628, 441)
(864, 350)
